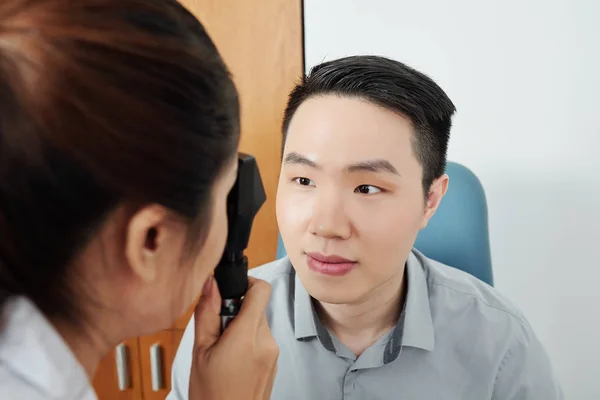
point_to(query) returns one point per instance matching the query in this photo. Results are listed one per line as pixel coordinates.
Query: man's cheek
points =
(296, 212)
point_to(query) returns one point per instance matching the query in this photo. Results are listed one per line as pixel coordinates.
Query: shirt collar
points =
(417, 327)
(306, 322)
(304, 315)
(414, 328)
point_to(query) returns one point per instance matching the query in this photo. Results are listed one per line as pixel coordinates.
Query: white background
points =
(525, 77)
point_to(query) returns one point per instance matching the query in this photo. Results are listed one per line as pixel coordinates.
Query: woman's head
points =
(119, 126)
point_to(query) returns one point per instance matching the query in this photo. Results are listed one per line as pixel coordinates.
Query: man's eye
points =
(367, 189)
(304, 182)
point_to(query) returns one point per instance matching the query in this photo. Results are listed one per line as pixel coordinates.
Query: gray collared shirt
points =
(457, 338)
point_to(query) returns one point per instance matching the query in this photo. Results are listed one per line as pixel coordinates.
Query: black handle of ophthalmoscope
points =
(245, 199)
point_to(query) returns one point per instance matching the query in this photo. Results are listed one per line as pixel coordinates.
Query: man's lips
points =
(332, 259)
(332, 265)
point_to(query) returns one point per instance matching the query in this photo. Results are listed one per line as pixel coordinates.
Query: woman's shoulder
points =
(15, 386)
(35, 363)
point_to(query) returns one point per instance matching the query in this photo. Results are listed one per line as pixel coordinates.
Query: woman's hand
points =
(242, 362)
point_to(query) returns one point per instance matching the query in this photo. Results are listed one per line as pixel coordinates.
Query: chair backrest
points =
(457, 235)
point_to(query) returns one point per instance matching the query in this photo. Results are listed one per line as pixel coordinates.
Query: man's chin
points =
(325, 293)
(327, 289)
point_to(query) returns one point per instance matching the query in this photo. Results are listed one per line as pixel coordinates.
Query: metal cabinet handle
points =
(157, 367)
(122, 369)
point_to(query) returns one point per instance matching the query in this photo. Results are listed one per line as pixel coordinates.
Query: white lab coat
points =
(35, 362)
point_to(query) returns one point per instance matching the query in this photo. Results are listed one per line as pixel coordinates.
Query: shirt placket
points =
(350, 384)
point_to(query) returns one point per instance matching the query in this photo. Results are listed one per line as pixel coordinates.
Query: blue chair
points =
(457, 235)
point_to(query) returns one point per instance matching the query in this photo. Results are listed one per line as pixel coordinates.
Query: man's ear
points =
(434, 197)
(145, 232)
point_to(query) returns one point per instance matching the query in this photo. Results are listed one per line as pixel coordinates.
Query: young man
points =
(356, 311)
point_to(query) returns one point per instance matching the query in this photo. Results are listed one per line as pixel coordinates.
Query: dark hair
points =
(102, 103)
(394, 86)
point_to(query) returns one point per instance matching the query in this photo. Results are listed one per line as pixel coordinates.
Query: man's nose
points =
(329, 219)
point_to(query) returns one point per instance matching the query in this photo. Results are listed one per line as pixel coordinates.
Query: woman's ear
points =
(146, 231)
(434, 197)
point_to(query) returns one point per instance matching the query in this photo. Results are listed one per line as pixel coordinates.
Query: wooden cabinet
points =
(139, 368)
(118, 377)
(156, 355)
(261, 43)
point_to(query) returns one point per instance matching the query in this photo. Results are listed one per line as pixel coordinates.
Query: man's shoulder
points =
(477, 319)
(454, 285)
(273, 272)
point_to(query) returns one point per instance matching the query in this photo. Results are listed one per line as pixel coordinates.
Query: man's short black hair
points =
(394, 86)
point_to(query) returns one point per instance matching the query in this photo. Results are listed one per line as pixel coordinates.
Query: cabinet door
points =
(156, 354)
(118, 376)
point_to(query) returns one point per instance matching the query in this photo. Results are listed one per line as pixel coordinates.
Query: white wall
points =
(525, 77)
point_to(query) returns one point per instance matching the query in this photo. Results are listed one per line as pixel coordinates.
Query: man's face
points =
(350, 200)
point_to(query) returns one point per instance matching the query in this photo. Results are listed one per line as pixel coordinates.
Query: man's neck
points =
(361, 324)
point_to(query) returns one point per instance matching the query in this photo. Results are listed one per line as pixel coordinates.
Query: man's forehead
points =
(348, 125)
(339, 108)
(348, 152)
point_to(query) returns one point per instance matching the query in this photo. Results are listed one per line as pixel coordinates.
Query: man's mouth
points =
(332, 265)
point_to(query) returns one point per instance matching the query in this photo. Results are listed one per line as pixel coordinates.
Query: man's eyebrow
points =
(374, 166)
(378, 165)
(297, 158)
